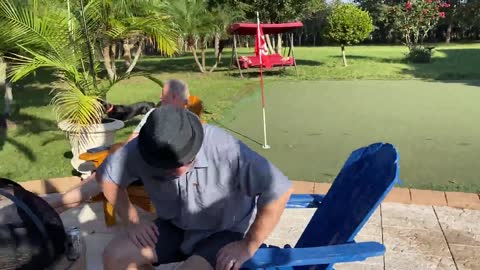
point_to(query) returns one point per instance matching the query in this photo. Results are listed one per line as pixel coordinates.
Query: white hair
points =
(178, 88)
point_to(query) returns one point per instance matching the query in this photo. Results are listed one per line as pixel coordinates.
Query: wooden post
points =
(236, 55)
(293, 54)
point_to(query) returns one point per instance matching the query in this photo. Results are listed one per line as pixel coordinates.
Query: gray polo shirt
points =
(221, 192)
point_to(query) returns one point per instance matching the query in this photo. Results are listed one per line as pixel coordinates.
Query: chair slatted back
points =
(365, 179)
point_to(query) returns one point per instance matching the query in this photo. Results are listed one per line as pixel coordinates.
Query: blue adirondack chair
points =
(362, 184)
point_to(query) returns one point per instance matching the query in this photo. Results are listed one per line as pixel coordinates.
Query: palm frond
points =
(157, 27)
(79, 111)
(24, 65)
(22, 26)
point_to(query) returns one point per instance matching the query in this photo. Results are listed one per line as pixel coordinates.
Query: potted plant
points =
(63, 38)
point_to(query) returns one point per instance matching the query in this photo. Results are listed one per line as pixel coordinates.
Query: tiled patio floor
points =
(416, 237)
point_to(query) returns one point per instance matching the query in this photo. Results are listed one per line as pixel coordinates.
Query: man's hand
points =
(233, 255)
(143, 234)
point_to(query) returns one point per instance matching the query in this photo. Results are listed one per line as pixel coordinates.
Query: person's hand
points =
(234, 255)
(143, 234)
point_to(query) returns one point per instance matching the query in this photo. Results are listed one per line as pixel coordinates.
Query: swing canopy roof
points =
(250, 29)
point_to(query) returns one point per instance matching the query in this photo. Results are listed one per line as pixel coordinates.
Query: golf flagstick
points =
(260, 56)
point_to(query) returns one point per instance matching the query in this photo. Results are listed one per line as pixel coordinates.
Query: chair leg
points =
(109, 213)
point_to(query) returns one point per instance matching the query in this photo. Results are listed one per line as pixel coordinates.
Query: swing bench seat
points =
(274, 60)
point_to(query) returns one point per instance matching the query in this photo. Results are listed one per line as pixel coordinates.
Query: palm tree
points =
(9, 44)
(60, 40)
(223, 16)
(131, 22)
(196, 26)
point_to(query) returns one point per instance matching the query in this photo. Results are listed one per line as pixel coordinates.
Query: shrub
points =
(346, 25)
(420, 55)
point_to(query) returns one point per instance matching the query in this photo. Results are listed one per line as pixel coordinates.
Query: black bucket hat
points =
(170, 138)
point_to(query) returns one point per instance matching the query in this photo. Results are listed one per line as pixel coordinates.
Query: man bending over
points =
(216, 199)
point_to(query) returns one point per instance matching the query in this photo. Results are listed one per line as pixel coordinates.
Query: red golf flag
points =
(261, 49)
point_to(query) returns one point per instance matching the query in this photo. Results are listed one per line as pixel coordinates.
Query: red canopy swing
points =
(274, 60)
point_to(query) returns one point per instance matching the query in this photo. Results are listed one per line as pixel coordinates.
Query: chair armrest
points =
(98, 149)
(305, 200)
(278, 257)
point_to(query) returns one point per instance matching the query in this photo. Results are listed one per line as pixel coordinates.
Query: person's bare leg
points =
(121, 253)
(195, 263)
(75, 196)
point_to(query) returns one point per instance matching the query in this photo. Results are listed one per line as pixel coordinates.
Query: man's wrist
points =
(252, 244)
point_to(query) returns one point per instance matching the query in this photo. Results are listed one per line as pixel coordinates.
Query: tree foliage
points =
(462, 20)
(347, 24)
(418, 18)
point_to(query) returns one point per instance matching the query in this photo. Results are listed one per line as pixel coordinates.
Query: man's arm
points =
(234, 255)
(132, 136)
(118, 197)
(143, 234)
(137, 129)
(266, 220)
(257, 178)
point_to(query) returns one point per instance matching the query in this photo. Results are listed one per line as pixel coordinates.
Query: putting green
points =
(312, 126)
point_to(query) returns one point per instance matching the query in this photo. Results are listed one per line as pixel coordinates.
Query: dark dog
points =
(126, 112)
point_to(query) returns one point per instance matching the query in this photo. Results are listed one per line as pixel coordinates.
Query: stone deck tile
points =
(463, 200)
(413, 238)
(466, 257)
(372, 230)
(399, 195)
(461, 226)
(409, 216)
(415, 241)
(290, 227)
(303, 187)
(416, 261)
(428, 197)
(358, 266)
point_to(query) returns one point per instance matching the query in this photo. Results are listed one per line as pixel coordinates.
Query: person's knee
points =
(113, 257)
(121, 253)
(195, 262)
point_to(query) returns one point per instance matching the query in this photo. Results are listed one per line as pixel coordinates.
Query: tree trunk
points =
(217, 60)
(269, 44)
(344, 57)
(300, 39)
(194, 52)
(120, 51)
(107, 62)
(127, 52)
(5, 84)
(314, 39)
(217, 44)
(137, 56)
(7, 110)
(203, 59)
(5, 123)
(449, 33)
(113, 51)
(220, 50)
(279, 43)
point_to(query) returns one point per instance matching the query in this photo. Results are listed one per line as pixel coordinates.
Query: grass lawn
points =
(37, 149)
(314, 125)
(454, 62)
